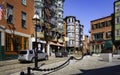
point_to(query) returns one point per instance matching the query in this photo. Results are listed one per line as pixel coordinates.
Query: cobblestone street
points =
(13, 66)
(90, 65)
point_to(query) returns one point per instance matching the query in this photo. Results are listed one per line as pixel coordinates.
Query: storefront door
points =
(1, 50)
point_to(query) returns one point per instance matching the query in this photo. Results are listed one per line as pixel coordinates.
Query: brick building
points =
(16, 26)
(100, 31)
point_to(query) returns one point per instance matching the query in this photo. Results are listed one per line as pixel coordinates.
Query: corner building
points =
(16, 27)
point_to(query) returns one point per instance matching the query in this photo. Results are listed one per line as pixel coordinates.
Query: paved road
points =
(13, 66)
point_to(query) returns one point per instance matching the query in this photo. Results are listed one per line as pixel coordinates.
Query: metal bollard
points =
(28, 71)
(22, 73)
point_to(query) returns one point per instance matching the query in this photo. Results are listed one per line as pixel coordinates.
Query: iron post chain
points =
(50, 69)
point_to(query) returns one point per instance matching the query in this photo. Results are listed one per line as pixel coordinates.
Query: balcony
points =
(60, 9)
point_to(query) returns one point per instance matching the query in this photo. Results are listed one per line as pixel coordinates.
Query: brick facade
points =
(14, 34)
(100, 31)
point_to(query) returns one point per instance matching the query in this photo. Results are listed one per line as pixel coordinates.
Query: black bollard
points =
(22, 73)
(28, 71)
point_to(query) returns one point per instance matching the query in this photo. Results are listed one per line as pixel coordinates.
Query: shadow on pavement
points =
(112, 70)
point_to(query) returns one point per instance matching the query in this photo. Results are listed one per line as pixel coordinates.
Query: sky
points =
(88, 10)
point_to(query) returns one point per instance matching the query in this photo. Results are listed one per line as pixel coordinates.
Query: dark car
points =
(61, 54)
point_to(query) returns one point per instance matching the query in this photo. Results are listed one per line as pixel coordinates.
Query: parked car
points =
(61, 54)
(29, 55)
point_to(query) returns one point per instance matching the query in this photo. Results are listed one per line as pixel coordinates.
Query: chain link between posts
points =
(53, 69)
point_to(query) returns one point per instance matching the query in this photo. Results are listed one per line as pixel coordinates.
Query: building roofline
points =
(78, 21)
(69, 17)
(101, 18)
(116, 1)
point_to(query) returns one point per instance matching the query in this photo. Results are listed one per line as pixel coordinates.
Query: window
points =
(108, 34)
(9, 14)
(117, 8)
(117, 33)
(103, 24)
(25, 43)
(68, 20)
(23, 19)
(8, 42)
(24, 2)
(71, 42)
(108, 23)
(117, 19)
(97, 36)
(94, 26)
(72, 19)
(59, 5)
(59, 15)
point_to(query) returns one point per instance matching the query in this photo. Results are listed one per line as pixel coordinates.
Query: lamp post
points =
(36, 21)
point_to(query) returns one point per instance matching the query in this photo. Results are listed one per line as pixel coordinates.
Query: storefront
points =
(2, 38)
(96, 46)
(14, 43)
(56, 47)
(1, 49)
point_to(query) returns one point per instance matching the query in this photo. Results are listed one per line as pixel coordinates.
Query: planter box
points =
(106, 57)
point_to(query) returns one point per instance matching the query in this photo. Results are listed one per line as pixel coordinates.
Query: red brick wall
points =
(104, 29)
(18, 7)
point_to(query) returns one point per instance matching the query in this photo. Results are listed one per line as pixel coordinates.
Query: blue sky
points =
(87, 10)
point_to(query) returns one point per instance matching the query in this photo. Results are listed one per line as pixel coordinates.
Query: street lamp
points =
(36, 21)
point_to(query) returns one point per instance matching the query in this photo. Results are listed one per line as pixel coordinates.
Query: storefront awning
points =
(56, 44)
(101, 42)
(108, 44)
